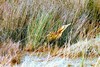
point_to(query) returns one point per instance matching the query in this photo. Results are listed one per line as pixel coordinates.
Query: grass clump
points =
(38, 28)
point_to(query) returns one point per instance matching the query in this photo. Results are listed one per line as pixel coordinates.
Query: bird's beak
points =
(65, 26)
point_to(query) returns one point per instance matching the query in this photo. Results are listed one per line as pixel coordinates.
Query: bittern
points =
(53, 36)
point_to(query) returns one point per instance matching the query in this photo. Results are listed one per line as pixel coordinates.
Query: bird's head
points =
(60, 30)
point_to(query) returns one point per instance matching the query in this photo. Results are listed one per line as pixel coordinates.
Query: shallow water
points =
(34, 61)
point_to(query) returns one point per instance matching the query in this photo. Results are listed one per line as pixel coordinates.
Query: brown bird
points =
(52, 36)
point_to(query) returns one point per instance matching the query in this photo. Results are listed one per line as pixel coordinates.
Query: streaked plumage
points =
(52, 36)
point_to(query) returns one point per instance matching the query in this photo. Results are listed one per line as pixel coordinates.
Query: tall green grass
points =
(37, 28)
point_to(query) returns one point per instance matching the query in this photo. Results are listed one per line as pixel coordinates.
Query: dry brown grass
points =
(87, 48)
(10, 53)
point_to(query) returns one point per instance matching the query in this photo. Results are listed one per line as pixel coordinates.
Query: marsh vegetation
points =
(33, 26)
